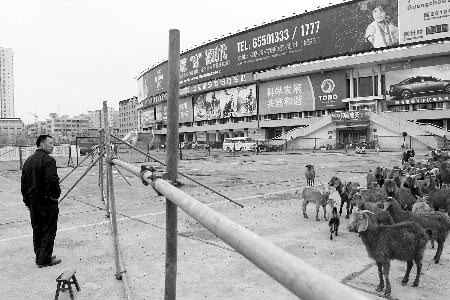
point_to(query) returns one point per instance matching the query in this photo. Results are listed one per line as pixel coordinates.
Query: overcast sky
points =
(71, 55)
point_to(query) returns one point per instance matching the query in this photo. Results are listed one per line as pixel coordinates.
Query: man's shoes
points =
(51, 258)
(53, 262)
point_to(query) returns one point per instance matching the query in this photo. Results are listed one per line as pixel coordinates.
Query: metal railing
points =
(301, 131)
(400, 125)
(297, 276)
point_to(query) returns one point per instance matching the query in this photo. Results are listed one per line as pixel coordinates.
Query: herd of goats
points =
(396, 214)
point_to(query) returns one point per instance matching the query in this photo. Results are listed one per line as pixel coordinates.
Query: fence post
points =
(101, 172)
(111, 199)
(20, 158)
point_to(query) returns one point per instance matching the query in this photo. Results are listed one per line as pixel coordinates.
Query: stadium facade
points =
(335, 76)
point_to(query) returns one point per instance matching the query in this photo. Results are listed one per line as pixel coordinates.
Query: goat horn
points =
(367, 211)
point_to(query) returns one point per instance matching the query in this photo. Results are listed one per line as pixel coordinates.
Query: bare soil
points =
(207, 267)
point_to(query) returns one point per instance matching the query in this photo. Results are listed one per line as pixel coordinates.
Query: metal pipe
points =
(111, 199)
(182, 174)
(81, 177)
(297, 276)
(124, 178)
(87, 156)
(172, 163)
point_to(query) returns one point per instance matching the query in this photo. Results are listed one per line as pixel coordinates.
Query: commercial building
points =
(6, 83)
(11, 130)
(331, 77)
(63, 129)
(128, 116)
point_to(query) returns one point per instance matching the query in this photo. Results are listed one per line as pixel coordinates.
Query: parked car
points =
(200, 145)
(216, 145)
(419, 85)
(266, 146)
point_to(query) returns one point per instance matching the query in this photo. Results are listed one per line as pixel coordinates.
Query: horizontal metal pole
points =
(294, 274)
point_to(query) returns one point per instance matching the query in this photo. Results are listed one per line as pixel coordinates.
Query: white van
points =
(239, 144)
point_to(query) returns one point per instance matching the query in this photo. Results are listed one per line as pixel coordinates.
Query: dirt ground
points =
(207, 267)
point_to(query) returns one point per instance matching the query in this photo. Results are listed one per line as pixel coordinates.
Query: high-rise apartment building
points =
(6, 83)
(128, 116)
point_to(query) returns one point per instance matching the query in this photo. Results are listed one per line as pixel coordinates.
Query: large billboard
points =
(431, 20)
(234, 102)
(341, 29)
(407, 83)
(184, 111)
(303, 93)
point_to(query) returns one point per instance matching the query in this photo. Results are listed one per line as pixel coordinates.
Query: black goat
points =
(344, 191)
(438, 222)
(334, 223)
(404, 241)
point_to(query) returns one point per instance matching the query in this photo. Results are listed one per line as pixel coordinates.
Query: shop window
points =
(399, 108)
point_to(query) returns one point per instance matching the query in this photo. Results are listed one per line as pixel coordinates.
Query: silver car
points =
(419, 85)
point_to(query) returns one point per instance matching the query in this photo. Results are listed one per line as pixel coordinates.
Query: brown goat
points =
(402, 195)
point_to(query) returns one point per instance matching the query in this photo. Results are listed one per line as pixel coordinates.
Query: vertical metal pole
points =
(111, 199)
(20, 158)
(101, 173)
(172, 163)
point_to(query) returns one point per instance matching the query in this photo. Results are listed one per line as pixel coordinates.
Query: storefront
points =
(352, 127)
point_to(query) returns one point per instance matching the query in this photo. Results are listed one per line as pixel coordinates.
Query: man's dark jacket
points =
(40, 181)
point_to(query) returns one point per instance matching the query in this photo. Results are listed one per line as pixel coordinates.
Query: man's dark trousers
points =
(44, 219)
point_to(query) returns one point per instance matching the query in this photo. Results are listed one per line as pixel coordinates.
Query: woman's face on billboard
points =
(379, 14)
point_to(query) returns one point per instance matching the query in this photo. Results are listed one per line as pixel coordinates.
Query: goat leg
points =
(304, 204)
(419, 269)
(409, 265)
(440, 247)
(340, 208)
(386, 267)
(380, 286)
(317, 212)
(325, 212)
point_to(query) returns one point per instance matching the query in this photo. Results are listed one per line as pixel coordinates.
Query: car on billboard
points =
(419, 85)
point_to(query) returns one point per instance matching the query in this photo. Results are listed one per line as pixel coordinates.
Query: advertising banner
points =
(218, 84)
(235, 102)
(341, 29)
(431, 20)
(357, 115)
(148, 117)
(303, 93)
(409, 85)
(10, 153)
(288, 95)
(184, 111)
(154, 82)
(329, 90)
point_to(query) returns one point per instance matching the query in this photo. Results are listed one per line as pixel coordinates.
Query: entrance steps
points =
(431, 136)
(301, 131)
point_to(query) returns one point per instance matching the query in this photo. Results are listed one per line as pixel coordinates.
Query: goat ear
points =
(363, 223)
(416, 184)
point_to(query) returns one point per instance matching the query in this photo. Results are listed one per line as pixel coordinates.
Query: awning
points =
(360, 99)
(353, 126)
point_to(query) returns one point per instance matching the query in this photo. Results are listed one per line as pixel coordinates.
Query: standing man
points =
(40, 190)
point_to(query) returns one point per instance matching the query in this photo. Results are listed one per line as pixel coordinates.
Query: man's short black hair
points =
(42, 138)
